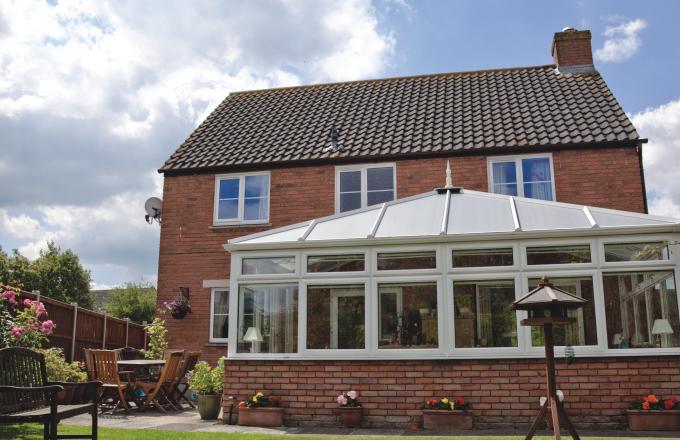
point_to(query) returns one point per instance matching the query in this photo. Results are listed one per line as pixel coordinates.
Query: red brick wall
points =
(503, 393)
(191, 251)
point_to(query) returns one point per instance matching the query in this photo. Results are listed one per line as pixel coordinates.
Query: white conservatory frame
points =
(444, 276)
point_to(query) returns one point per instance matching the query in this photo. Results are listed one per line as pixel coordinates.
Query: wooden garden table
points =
(141, 363)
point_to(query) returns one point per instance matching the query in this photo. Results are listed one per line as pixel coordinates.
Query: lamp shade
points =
(253, 335)
(662, 327)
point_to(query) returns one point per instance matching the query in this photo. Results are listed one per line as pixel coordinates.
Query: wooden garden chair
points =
(106, 369)
(157, 393)
(89, 364)
(27, 397)
(181, 387)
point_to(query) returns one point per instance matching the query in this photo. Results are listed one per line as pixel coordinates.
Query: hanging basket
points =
(179, 313)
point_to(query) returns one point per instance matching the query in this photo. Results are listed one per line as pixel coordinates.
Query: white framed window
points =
(530, 176)
(359, 186)
(241, 198)
(219, 315)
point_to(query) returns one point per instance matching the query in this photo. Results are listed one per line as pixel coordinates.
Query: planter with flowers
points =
(178, 307)
(260, 410)
(653, 414)
(447, 414)
(208, 384)
(350, 409)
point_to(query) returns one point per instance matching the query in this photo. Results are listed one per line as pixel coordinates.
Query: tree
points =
(136, 301)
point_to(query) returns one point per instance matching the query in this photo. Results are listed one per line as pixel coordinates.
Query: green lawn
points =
(34, 432)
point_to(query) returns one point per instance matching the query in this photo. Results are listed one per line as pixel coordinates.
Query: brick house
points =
(314, 207)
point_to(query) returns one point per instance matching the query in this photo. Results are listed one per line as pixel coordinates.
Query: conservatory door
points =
(347, 318)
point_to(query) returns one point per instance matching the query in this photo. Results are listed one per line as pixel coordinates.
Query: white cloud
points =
(621, 41)
(661, 125)
(93, 95)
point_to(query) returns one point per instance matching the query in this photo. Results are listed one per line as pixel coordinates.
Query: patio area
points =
(189, 421)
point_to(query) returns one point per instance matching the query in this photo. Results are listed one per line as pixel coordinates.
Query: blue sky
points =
(94, 96)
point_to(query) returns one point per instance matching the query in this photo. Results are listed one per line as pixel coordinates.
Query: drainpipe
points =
(642, 174)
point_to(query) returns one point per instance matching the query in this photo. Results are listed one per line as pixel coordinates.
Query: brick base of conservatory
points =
(503, 393)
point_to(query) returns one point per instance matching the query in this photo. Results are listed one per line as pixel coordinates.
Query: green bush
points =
(157, 339)
(205, 380)
(59, 370)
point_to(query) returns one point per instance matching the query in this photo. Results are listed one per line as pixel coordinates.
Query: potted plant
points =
(350, 409)
(653, 414)
(178, 307)
(207, 383)
(447, 414)
(463, 303)
(58, 370)
(260, 410)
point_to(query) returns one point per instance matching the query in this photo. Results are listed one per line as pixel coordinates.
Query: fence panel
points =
(89, 329)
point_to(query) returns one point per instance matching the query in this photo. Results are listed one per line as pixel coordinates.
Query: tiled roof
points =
(532, 107)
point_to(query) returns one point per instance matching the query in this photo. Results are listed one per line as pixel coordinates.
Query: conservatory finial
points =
(449, 182)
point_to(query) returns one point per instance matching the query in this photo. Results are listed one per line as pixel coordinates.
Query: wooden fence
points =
(77, 328)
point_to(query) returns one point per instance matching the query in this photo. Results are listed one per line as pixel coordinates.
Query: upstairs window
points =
(242, 199)
(364, 185)
(524, 176)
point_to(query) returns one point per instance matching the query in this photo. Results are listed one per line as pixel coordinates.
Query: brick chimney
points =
(572, 52)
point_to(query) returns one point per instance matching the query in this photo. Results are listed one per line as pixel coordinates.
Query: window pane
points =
(376, 197)
(641, 310)
(504, 173)
(636, 251)
(408, 315)
(584, 330)
(268, 265)
(335, 263)
(482, 257)
(220, 314)
(481, 314)
(227, 209)
(335, 317)
(407, 260)
(256, 209)
(559, 254)
(271, 324)
(350, 181)
(541, 191)
(349, 201)
(380, 178)
(229, 188)
(536, 170)
(257, 186)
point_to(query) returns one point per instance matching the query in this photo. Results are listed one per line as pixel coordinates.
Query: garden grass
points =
(34, 432)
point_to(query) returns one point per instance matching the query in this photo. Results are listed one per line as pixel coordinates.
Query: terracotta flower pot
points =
(440, 419)
(654, 420)
(209, 406)
(350, 417)
(268, 417)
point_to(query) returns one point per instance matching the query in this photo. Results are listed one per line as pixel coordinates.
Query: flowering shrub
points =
(23, 323)
(259, 400)
(157, 339)
(349, 399)
(179, 306)
(204, 380)
(457, 403)
(653, 402)
(59, 370)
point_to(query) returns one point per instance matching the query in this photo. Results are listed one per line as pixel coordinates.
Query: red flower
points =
(645, 405)
(668, 404)
(459, 401)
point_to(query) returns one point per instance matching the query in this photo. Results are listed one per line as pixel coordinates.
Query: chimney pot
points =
(572, 51)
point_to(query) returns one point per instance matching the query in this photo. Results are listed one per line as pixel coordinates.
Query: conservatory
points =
(431, 277)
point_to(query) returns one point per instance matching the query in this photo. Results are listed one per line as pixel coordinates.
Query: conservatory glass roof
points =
(456, 213)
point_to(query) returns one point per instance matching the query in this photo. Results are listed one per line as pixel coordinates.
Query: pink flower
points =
(342, 400)
(40, 310)
(47, 326)
(352, 395)
(17, 331)
(28, 302)
(10, 296)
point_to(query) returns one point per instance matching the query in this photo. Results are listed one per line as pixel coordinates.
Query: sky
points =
(96, 95)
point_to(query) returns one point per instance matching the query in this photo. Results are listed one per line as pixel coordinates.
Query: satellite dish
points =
(153, 207)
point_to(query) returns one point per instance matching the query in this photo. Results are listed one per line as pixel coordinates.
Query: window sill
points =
(240, 225)
(215, 344)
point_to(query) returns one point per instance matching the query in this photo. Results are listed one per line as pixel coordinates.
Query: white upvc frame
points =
(517, 159)
(241, 199)
(212, 313)
(264, 254)
(444, 275)
(364, 185)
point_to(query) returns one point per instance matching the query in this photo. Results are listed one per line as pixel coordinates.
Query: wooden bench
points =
(27, 397)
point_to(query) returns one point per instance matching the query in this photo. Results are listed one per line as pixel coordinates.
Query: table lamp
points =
(661, 327)
(253, 335)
